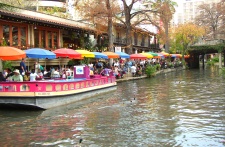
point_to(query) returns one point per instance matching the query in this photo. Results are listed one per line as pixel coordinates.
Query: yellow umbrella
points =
(165, 54)
(86, 54)
(147, 55)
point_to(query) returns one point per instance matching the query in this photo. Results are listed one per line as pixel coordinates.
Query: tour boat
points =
(50, 93)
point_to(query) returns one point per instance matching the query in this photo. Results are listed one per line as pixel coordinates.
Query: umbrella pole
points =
(1, 66)
(28, 68)
(45, 64)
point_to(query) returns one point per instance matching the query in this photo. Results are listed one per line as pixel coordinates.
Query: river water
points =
(183, 108)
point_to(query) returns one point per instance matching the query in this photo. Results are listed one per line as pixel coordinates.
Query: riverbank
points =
(128, 76)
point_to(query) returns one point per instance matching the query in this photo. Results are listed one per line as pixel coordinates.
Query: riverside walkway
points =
(128, 76)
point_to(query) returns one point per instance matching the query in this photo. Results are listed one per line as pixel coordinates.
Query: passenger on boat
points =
(17, 77)
(64, 74)
(33, 75)
(106, 72)
(56, 73)
(2, 78)
(23, 67)
(10, 73)
(40, 74)
(26, 76)
(37, 67)
(5, 73)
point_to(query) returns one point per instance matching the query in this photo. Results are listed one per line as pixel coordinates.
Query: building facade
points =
(187, 10)
(28, 29)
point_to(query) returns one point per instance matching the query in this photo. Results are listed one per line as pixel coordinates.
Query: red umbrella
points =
(70, 53)
(11, 53)
(137, 56)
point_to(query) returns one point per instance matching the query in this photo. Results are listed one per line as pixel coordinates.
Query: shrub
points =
(157, 66)
(223, 72)
(150, 71)
(211, 63)
(215, 59)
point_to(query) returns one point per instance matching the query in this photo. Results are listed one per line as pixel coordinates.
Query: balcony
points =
(120, 41)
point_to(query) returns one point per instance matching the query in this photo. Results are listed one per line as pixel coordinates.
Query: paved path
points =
(128, 76)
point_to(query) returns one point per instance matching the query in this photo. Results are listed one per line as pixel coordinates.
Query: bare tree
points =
(100, 12)
(211, 17)
(131, 18)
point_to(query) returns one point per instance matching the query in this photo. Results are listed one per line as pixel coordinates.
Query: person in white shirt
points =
(133, 70)
(33, 75)
(117, 64)
(56, 73)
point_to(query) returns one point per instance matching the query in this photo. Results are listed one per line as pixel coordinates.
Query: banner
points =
(79, 70)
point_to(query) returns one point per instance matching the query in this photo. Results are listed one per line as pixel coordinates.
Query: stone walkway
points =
(128, 76)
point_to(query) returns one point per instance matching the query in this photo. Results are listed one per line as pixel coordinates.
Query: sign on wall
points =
(118, 49)
(79, 70)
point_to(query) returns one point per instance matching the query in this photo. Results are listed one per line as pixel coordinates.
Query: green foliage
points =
(170, 65)
(215, 59)
(211, 63)
(85, 61)
(157, 66)
(7, 64)
(150, 71)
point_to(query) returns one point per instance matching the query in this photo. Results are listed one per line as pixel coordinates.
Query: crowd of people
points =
(118, 68)
(133, 66)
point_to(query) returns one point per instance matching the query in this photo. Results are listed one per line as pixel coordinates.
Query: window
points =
(36, 38)
(43, 43)
(6, 34)
(45, 39)
(13, 34)
(49, 39)
(23, 36)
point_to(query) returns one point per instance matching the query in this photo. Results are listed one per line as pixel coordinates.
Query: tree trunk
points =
(129, 40)
(128, 31)
(167, 37)
(110, 27)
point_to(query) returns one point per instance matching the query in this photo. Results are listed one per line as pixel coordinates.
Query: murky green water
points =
(186, 108)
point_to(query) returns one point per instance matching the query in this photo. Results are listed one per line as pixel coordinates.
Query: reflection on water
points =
(186, 108)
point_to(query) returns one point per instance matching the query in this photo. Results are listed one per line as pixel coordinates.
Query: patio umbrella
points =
(176, 55)
(153, 54)
(159, 56)
(137, 56)
(111, 54)
(100, 55)
(147, 55)
(11, 53)
(186, 56)
(86, 54)
(39, 53)
(65, 52)
(123, 55)
(165, 54)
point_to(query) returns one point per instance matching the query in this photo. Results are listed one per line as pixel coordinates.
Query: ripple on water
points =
(184, 108)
